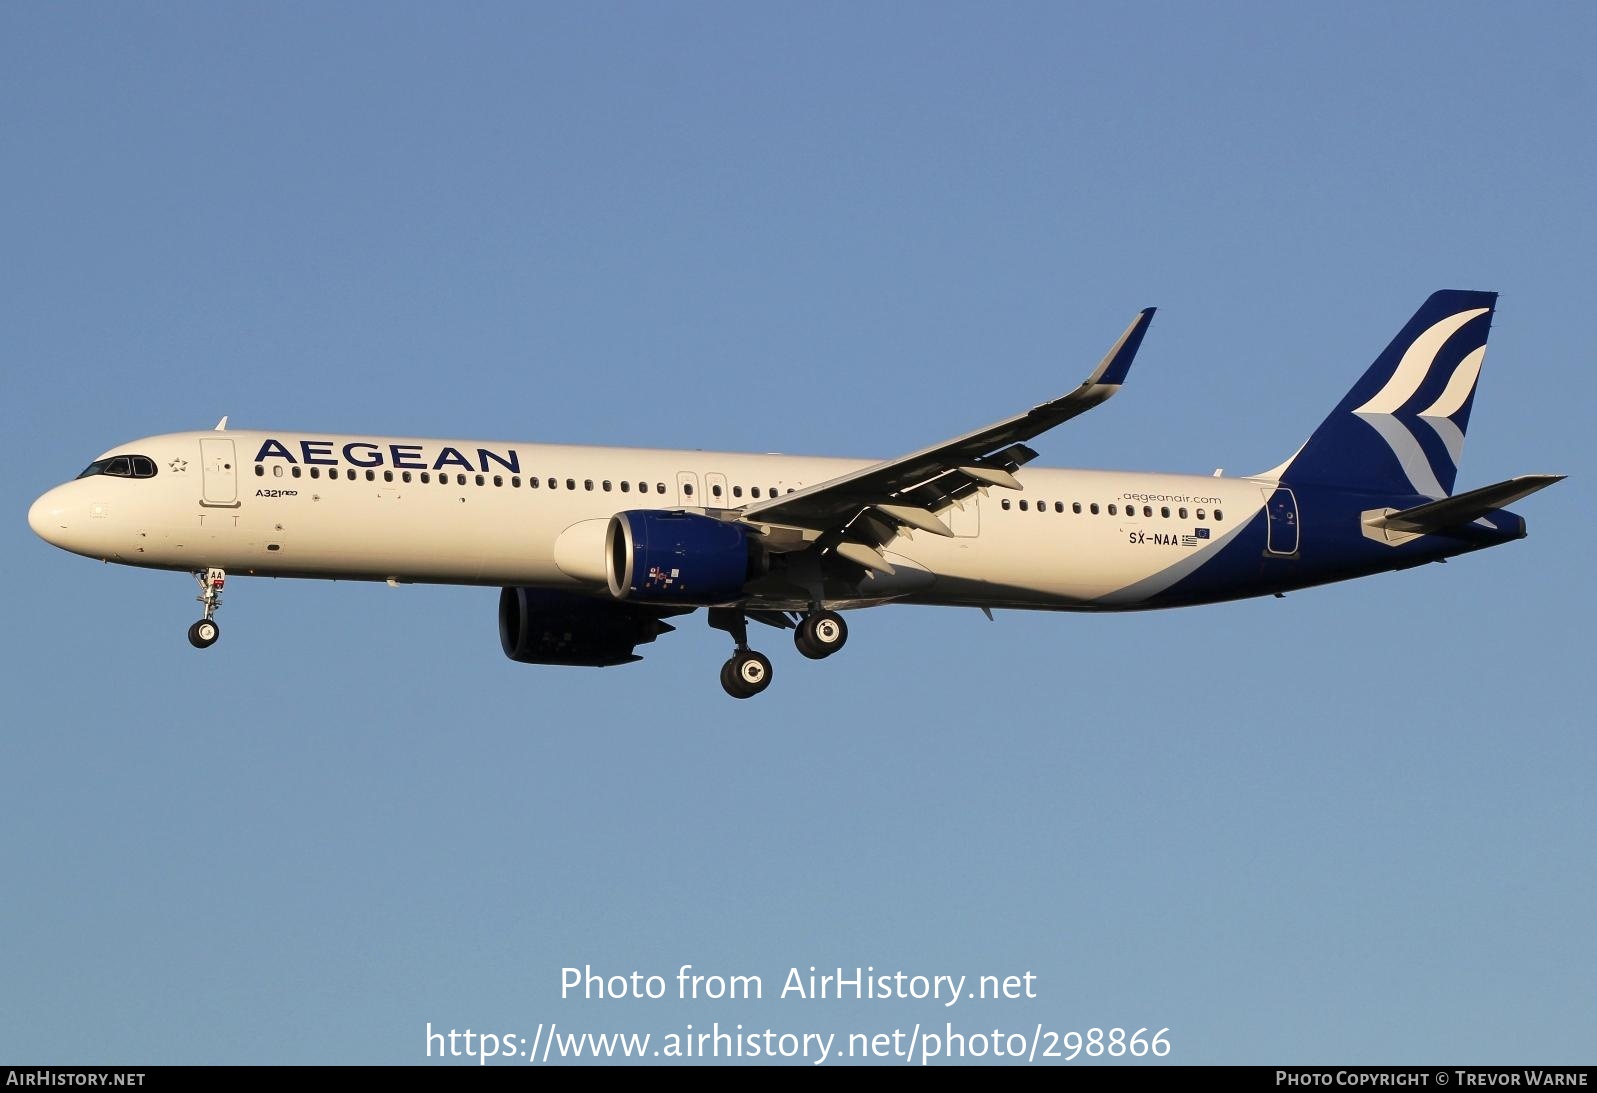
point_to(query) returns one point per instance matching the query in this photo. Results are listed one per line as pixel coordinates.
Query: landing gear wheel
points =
(203, 634)
(746, 674)
(821, 634)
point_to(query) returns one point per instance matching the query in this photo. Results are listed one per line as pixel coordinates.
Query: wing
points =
(858, 512)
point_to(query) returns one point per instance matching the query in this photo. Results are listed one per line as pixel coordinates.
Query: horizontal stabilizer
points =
(1452, 512)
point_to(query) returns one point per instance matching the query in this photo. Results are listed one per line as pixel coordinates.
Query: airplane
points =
(594, 548)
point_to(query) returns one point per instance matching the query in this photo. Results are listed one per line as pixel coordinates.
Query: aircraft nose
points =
(47, 517)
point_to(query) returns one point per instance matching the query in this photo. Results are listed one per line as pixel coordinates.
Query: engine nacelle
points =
(540, 626)
(678, 557)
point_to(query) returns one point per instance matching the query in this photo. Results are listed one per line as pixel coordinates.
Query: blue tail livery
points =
(1400, 430)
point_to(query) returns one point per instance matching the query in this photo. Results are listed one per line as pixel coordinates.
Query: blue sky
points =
(1354, 825)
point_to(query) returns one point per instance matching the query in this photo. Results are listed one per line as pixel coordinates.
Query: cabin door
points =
(218, 472)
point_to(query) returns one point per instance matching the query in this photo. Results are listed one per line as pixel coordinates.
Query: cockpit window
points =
(121, 466)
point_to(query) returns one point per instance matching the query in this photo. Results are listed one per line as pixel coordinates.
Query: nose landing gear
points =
(203, 634)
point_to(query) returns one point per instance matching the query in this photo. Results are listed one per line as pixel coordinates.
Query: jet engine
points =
(678, 558)
(541, 626)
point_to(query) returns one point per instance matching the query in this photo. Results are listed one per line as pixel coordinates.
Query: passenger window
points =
(1112, 511)
(479, 479)
(316, 472)
(715, 490)
(1095, 508)
(754, 492)
(1164, 510)
(426, 479)
(371, 476)
(626, 487)
(499, 480)
(1075, 507)
(571, 483)
(1200, 514)
(460, 479)
(1182, 512)
(350, 474)
(1004, 504)
(388, 476)
(687, 489)
(1059, 506)
(1217, 516)
(587, 484)
(277, 470)
(259, 470)
(1023, 505)
(515, 481)
(659, 487)
(737, 491)
(1147, 510)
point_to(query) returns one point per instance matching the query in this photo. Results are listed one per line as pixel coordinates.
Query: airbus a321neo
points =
(594, 548)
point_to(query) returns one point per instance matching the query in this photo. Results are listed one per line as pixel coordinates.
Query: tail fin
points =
(1401, 428)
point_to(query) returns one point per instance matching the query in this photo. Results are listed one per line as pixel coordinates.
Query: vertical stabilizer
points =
(1401, 428)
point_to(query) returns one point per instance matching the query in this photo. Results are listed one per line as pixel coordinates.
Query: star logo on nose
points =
(179, 465)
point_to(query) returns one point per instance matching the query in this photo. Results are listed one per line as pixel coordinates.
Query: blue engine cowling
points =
(543, 626)
(677, 557)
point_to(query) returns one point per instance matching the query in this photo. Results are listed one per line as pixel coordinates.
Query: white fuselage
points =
(466, 512)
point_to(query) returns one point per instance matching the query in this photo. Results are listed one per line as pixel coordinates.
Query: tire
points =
(821, 634)
(729, 682)
(749, 673)
(203, 634)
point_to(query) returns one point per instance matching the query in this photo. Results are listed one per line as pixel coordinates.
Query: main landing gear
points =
(203, 634)
(819, 634)
(747, 673)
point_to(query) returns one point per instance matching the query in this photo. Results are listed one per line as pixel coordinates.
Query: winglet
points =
(1117, 362)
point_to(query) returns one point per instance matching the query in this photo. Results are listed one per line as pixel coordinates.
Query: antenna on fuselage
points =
(221, 426)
